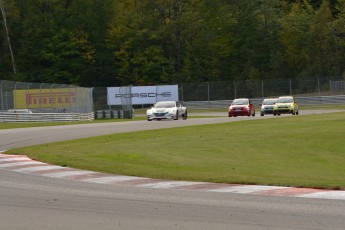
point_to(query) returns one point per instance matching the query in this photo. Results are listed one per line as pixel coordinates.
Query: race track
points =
(36, 202)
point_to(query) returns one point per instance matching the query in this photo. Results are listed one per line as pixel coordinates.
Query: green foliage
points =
(108, 43)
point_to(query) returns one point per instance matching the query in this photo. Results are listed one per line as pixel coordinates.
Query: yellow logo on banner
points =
(44, 98)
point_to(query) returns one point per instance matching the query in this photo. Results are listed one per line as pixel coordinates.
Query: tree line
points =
(145, 42)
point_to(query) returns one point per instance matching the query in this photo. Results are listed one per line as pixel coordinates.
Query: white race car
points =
(167, 110)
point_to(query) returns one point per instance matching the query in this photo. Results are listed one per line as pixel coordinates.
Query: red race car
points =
(241, 107)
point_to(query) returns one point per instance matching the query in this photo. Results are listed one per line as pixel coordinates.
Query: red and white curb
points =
(23, 164)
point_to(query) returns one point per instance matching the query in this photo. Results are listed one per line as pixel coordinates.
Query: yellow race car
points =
(285, 105)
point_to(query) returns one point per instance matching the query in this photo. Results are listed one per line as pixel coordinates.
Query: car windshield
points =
(240, 102)
(269, 102)
(285, 100)
(164, 105)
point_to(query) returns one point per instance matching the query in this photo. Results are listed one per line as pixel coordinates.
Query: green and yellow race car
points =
(285, 105)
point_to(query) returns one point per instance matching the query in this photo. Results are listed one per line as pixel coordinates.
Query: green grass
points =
(302, 151)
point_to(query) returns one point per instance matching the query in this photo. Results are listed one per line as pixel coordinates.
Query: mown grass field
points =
(303, 151)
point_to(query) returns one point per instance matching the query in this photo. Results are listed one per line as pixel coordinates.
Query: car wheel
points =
(176, 116)
(185, 116)
(253, 114)
(148, 119)
(297, 112)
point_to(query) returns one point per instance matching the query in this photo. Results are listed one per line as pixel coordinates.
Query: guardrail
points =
(303, 101)
(45, 117)
(321, 100)
(109, 114)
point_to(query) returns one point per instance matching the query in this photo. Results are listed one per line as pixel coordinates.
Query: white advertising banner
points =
(143, 94)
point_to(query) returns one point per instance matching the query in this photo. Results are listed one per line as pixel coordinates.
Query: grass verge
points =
(302, 151)
(41, 124)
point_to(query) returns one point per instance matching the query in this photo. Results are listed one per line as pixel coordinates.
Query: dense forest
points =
(145, 42)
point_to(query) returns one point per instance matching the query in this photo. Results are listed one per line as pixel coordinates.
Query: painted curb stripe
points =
(245, 189)
(87, 176)
(168, 184)
(14, 159)
(290, 191)
(339, 195)
(17, 161)
(204, 186)
(37, 168)
(23, 164)
(109, 179)
(65, 174)
(141, 181)
(14, 168)
(19, 164)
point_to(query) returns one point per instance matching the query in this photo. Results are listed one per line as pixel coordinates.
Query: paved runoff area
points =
(23, 164)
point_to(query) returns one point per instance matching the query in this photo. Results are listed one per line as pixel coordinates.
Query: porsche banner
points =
(140, 95)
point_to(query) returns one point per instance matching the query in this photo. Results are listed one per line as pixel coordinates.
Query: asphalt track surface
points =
(36, 202)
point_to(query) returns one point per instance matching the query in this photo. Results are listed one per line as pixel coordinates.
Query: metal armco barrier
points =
(110, 114)
(45, 117)
(303, 101)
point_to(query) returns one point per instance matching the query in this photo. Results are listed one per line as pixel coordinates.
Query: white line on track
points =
(339, 195)
(168, 184)
(38, 168)
(19, 164)
(110, 179)
(245, 188)
(14, 159)
(66, 174)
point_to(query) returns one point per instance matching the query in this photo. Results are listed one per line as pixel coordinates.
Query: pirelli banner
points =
(45, 98)
(140, 95)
